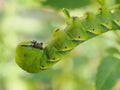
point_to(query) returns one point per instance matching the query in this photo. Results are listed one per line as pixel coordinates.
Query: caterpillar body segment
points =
(33, 57)
(61, 41)
(54, 55)
(116, 19)
(116, 24)
(43, 64)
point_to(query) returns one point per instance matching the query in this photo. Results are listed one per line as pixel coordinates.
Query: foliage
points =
(108, 73)
(70, 4)
(30, 20)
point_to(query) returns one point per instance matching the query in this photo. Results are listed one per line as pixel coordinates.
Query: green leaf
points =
(108, 73)
(117, 1)
(70, 4)
(112, 50)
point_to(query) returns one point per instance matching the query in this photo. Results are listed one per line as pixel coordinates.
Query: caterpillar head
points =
(28, 54)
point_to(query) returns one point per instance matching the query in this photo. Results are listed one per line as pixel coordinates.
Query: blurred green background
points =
(35, 20)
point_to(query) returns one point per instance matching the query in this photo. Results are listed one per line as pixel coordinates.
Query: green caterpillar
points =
(33, 57)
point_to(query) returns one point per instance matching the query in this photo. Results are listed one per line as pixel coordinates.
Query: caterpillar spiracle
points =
(33, 57)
